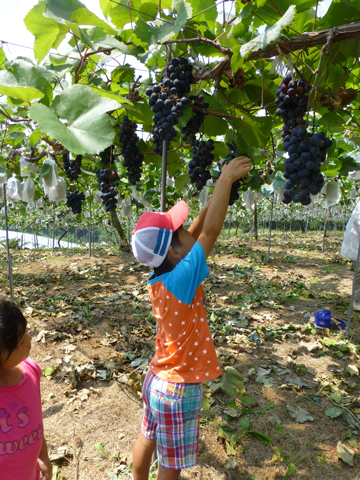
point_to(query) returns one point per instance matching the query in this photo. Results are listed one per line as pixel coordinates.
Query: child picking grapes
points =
(23, 450)
(184, 352)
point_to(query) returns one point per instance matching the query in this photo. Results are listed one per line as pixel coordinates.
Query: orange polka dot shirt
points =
(184, 350)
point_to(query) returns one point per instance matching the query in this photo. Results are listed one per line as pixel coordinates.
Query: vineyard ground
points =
(92, 331)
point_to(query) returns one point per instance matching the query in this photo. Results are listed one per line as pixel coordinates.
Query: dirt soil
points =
(93, 335)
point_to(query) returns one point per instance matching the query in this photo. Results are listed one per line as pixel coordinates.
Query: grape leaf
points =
(333, 412)
(22, 80)
(120, 14)
(48, 33)
(339, 13)
(299, 414)
(274, 420)
(232, 382)
(271, 34)
(82, 16)
(50, 370)
(88, 128)
(164, 31)
(202, 10)
(2, 58)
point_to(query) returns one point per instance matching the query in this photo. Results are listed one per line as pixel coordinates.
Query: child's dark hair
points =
(12, 327)
(167, 266)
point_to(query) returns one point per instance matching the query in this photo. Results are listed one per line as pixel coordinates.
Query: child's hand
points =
(237, 168)
(45, 468)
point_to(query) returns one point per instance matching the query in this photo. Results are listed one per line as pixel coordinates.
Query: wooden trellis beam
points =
(308, 40)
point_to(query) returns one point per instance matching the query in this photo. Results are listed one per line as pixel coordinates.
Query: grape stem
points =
(216, 45)
(282, 45)
(4, 114)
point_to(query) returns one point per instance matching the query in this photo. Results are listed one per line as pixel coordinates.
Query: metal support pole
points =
(163, 176)
(8, 249)
(270, 223)
(328, 213)
(53, 247)
(163, 209)
(353, 292)
(90, 218)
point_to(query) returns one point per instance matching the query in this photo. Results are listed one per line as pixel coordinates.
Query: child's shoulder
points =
(31, 367)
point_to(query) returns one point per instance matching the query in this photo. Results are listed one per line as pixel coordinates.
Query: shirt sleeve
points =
(33, 368)
(185, 278)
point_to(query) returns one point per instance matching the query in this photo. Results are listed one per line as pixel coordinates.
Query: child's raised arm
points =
(216, 212)
(197, 225)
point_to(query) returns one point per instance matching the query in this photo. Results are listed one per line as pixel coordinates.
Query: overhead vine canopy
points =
(83, 84)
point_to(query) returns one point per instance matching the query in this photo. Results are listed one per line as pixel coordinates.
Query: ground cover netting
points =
(297, 412)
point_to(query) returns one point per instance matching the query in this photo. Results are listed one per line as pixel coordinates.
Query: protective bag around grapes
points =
(58, 193)
(28, 190)
(333, 194)
(127, 211)
(14, 189)
(27, 168)
(51, 178)
(3, 176)
(249, 198)
(97, 198)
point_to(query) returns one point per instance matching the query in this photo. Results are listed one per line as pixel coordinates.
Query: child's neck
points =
(11, 376)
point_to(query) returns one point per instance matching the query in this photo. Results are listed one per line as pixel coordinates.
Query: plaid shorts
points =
(171, 416)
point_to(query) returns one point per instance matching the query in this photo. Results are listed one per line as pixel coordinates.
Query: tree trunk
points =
(63, 235)
(116, 224)
(78, 235)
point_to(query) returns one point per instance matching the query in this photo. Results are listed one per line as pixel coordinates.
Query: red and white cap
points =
(152, 235)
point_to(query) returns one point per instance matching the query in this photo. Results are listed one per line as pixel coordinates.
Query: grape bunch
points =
(194, 124)
(74, 201)
(234, 192)
(235, 187)
(73, 168)
(133, 159)
(306, 151)
(292, 103)
(106, 155)
(108, 181)
(167, 100)
(199, 166)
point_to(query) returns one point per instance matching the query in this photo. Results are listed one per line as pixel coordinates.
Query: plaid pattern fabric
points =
(171, 415)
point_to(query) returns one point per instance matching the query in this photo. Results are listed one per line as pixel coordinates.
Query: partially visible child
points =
(350, 248)
(23, 450)
(185, 354)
